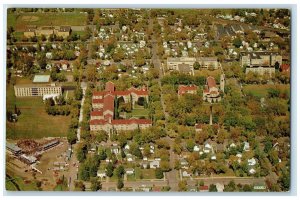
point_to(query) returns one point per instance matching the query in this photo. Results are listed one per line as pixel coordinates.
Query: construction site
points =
(44, 161)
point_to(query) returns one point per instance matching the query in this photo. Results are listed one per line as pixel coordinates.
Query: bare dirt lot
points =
(16, 168)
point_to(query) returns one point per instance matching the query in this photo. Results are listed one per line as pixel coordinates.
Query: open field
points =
(20, 21)
(140, 113)
(262, 90)
(33, 122)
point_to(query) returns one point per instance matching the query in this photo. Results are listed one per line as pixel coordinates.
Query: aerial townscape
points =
(148, 100)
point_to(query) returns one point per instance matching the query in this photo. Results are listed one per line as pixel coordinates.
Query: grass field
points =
(17, 183)
(146, 173)
(262, 90)
(139, 113)
(33, 122)
(20, 21)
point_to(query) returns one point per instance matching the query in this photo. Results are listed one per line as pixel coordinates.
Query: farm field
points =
(33, 122)
(262, 90)
(20, 21)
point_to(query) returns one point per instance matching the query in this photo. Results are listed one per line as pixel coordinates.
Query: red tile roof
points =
(211, 82)
(141, 92)
(109, 102)
(99, 93)
(285, 67)
(121, 93)
(198, 126)
(98, 122)
(96, 113)
(204, 187)
(131, 121)
(110, 86)
(97, 101)
(182, 89)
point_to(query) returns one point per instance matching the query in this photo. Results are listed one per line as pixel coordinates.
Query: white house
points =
(196, 148)
(186, 174)
(129, 171)
(154, 164)
(246, 146)
(101, 173)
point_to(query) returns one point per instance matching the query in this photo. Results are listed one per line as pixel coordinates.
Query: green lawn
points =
(262, 90)
(139, 113)
(33, 122)
(20, 21)
(144, 173)
(80, 33)
(21, 184)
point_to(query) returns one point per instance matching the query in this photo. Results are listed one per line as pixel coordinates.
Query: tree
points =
(72, 137)
(79, 186)
(120, 171)
(159, 173)
(285, 180)
(231, 187)
(81, 152)
(190, 145)
(196, 65)
(213, 188)
(109, 169)
(95, 184)
(91, 73)
(41, 60)
(78, 93)
(237, 42)
(247, 188)
(182, 185)
(120, 184)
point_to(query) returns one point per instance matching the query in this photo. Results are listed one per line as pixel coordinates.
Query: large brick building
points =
(103, 104)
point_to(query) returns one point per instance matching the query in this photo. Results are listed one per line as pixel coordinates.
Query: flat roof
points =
(41, 79)
(13, 147)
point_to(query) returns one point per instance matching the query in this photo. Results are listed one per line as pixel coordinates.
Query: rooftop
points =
(41, 79)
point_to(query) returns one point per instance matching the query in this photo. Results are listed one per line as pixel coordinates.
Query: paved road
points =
(157, 64)
(135, 185)
(83, 87)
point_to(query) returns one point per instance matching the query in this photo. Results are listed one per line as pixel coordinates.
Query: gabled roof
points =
(108, 102)
(211, 82)
(96, 113)
(182, 89)
(98, 122)
(99, 93)
(109, 86)
(97, 101)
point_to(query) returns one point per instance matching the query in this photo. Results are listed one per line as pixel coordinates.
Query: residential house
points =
(129, 171)
(186, 174)
(154, 164)
(220, 187)
(101, 173)
(204, 188)
(189, 89)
